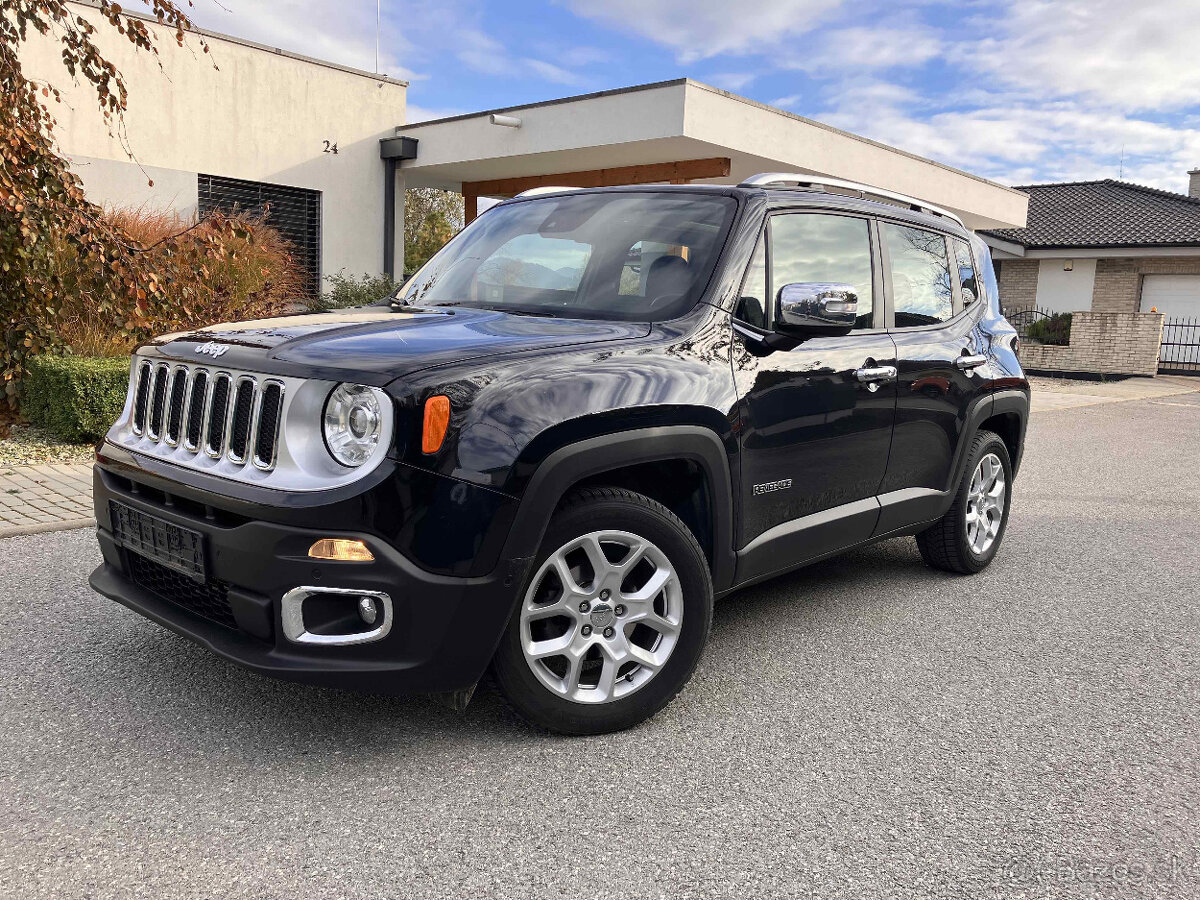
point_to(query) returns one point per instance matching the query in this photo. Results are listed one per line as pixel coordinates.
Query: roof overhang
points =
(683, 120)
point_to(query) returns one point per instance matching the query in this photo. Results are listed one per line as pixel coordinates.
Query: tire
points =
(636, 627)
(951, 544)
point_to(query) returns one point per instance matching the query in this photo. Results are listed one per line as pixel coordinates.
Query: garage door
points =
(1177, 297)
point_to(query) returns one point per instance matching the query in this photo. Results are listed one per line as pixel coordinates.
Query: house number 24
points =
(330, 148)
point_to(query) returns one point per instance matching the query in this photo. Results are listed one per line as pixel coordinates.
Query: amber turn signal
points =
(341, 550)
(437, 420)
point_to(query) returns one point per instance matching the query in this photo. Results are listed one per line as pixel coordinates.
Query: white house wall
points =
(1062, 291)
(261, 115)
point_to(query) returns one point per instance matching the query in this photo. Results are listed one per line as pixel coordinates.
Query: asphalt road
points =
(866, 728)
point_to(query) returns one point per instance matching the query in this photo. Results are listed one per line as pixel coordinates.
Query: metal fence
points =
(1022, 317)
(1180, 354)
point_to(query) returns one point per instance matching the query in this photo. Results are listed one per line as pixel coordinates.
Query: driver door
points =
(816, 414)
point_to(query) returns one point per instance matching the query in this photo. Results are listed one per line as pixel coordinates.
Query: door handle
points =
(872, 374)
(971, 362)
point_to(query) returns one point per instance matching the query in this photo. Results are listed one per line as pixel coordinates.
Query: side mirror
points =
(818, 307)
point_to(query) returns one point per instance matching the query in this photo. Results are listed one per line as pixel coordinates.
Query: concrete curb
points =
(45, 527)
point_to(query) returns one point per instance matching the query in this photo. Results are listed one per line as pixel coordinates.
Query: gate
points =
(1180, 353)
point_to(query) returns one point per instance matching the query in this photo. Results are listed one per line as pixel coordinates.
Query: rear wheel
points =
(966, 538)
(613, 620)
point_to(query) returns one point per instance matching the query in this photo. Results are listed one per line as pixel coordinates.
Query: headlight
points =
(353, 424)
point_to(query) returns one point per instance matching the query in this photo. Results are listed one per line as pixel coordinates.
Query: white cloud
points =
(417, 113)
(731, 81)
(700, 29)
(1137, 56)
(864, 48)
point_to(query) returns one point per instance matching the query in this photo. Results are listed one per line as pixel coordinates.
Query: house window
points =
(294, 212)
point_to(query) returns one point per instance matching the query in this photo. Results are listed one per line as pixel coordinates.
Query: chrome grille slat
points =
(266, 437)
(158, 399)
(217, 431)
(141, 398)
(241, 418)
(197, 415)
(177, 395)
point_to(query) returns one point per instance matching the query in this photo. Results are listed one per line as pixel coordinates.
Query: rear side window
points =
(922, 291)
(966, 272)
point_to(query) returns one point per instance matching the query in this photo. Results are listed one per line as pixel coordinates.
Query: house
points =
(1103, 246)
(326, 151)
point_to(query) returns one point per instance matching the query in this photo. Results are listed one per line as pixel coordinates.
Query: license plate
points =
(173, 546)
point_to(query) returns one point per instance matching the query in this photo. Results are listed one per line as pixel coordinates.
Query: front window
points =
(621, 255)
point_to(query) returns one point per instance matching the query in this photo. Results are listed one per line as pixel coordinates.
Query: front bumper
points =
(444, 630)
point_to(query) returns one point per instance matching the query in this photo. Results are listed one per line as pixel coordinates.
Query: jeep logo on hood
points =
(213, 349)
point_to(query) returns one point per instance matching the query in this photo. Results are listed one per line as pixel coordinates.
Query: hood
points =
(376, 345)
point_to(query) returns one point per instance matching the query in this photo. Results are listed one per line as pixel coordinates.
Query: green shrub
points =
(1055, 329)
(347, 290)
(75, 398)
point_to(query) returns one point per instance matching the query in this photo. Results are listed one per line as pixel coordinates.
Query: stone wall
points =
(1102, 343)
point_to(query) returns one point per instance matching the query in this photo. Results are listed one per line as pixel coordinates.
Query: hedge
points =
(75, 398)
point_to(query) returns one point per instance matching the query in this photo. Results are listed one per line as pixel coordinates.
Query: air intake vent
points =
(158, 400)
(175, 407)
(196, 407)
(243, 411)
(141, 398)
(268, 425)
(217, 414)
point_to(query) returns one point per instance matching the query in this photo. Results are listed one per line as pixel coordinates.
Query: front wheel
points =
(613, 620)
(966, 538)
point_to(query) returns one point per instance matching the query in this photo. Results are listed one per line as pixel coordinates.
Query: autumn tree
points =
(44, 215)
(431, 218)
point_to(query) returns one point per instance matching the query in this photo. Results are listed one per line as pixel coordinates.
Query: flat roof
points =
(686, 120)
(691, 82)
(232, 39)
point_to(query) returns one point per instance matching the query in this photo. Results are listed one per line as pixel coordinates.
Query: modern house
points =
(1103, 246)
(326, 149)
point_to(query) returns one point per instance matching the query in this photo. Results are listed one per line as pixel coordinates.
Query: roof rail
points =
(547, 189)
(865, 191)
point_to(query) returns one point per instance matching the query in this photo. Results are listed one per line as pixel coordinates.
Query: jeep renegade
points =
(589, 415)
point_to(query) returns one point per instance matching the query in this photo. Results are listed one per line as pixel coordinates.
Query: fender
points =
(593, 456)
(910, 509)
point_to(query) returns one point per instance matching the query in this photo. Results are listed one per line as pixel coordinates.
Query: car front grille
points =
(209, 599)
(219, 413)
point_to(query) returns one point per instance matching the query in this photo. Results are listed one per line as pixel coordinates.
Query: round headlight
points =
(353, 423)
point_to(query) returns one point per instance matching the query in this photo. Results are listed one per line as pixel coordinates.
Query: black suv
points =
(590, 415)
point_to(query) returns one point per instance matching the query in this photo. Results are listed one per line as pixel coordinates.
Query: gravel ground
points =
(866, 728)
(29, 446)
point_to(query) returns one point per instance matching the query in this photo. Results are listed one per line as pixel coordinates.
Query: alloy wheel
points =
(601, 617)
(985, 504)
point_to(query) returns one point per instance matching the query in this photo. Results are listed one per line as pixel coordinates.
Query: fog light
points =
(341, 550)
(366, 610)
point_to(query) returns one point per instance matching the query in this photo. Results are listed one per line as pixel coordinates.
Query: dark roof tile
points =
(1105, 214)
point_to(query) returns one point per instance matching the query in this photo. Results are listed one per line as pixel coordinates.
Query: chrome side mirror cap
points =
(818, 307)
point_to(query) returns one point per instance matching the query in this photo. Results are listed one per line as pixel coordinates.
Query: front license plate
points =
(173, 546)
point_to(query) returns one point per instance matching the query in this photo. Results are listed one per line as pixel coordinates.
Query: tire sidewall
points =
(539, 704)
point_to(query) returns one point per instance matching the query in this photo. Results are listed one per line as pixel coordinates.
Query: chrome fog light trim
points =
(293, 616)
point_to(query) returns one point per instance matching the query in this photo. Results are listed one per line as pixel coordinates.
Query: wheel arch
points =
(629, 459)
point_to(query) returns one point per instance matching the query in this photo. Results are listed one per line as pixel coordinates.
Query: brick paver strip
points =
(52, 497)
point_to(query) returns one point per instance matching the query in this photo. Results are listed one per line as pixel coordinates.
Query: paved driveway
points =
(866, 728)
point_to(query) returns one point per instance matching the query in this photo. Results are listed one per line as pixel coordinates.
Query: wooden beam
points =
(470, 204)
(673, 172)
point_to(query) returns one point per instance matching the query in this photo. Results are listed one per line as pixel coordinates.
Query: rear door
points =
(815, 436)
(933, 313)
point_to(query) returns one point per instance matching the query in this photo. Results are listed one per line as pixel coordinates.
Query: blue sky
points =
(1022, 91)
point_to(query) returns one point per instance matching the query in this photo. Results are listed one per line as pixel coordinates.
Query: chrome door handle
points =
(971, 362)
(876, 373)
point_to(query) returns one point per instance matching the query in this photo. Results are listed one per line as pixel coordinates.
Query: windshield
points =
(624, 256)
